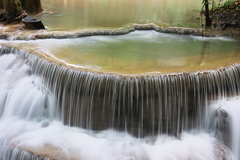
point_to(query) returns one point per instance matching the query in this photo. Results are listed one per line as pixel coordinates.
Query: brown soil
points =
(226, 19)
(227, 16)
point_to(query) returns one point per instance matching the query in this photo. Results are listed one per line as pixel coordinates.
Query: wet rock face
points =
(222, 125)
(221, 152)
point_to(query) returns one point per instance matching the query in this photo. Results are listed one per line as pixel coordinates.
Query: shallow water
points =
(140, 52)
(79, 14)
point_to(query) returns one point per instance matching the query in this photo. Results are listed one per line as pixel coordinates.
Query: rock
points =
(32, 23)
(45, 124)
(222, 125)
(221, 152)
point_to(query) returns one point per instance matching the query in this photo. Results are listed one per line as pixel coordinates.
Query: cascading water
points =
(151, 117)
(69, 98)
(21, 101)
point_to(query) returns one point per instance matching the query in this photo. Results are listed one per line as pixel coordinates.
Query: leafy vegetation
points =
(223, 13)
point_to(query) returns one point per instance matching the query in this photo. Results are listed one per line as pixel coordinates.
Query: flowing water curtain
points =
(21, 101)
(22, 95)
(99, 101)
(139, 105)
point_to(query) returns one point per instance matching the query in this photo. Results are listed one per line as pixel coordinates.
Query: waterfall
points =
(51, 110)
(20, 100)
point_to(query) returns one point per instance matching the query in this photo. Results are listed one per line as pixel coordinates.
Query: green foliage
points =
(225, 0)
(217, 3)
(205, 2)
(229, 3)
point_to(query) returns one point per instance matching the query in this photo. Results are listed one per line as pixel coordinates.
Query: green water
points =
(140, 52)
(79, 14)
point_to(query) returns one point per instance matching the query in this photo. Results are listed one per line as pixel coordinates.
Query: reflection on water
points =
(140, 52)
(75, 14)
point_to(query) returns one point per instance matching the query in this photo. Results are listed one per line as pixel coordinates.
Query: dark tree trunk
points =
(1, 4)
(207, 15)
(23, 2)
(33, 6)
(13, 9)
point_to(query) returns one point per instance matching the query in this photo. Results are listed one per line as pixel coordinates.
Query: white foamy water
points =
(62, 142)
(28, 123)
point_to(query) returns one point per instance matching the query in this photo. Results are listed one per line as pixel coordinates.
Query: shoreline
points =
(16, 32)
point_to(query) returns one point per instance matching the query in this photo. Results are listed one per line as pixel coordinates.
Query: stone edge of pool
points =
(16, 34)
